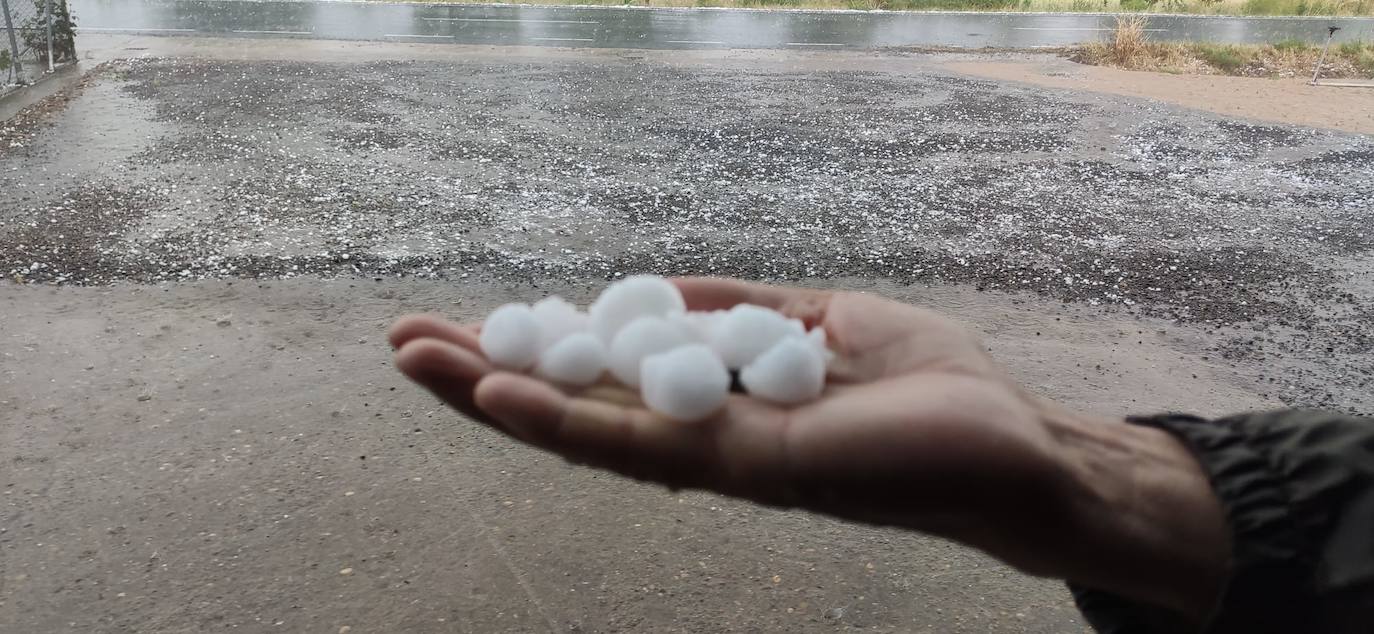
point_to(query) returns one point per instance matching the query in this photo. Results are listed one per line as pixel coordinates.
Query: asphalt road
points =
(667, 28)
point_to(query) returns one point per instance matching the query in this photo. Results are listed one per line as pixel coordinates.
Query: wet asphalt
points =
(614, 27)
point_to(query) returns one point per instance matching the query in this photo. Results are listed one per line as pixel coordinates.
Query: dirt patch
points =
(80, 230)
(18, 130)
(1289, 101)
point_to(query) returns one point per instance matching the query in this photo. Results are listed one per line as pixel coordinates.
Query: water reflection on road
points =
(669, 28)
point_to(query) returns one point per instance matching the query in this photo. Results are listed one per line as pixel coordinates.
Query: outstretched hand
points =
(917, 427)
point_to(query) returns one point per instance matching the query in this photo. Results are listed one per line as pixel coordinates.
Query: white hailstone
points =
(639, 339)
(746, 331)
(510, 337)
(687, 383)
(816, 337)
(557, 319)
(698, 325)
(792, 371)
(577, 359)
(635, 296)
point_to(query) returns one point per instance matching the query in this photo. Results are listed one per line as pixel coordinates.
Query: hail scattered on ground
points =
(590, 171)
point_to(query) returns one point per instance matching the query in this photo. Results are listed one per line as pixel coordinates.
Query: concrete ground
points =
(201, 428)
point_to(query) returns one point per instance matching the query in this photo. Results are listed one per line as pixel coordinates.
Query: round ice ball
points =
(817, 338)
(577, 359)
(792, 371)
(697, 325)
(635, 296)
(557, 319)
(746, 331)
(687, 383)
(641, 338)
(510, 337)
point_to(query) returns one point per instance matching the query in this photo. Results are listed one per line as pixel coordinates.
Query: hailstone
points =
(510, 337)
(632, 297)
(557, 319)
(697, 325)
(687, 383)
(639, 339)
(816, 337)
(577, 359)
(746, 331)
(681, 361)
(791, 371)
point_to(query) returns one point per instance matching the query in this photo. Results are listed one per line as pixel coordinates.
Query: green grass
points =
(1365, 62)
(1291, 45)
(1307, 7)
(1361, 54)
(1226, 58)
(916, 5)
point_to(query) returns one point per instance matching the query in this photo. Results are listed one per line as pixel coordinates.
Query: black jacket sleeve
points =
(1298, 489)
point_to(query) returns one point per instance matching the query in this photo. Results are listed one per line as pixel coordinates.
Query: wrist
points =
(1144, 520)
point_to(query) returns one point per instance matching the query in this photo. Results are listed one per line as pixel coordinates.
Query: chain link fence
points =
(39, 35)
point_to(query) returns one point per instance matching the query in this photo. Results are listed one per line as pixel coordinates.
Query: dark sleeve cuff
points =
(1250, 461)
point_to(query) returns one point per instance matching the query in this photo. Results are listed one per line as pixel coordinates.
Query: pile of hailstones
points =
(680, 361)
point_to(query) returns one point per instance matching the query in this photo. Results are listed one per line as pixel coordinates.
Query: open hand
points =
(917, 427)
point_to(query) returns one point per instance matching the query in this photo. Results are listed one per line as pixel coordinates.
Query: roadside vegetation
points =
(1200, 7)
(1129, 47)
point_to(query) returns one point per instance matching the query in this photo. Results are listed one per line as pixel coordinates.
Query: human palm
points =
(917, 426)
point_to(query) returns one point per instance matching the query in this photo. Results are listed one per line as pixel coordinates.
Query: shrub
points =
(1291, 45)
(35, 32)
(1225, 58)
(1129, 42)
(1266, 7)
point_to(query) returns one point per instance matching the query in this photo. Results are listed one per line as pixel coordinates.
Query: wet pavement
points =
(669, 28)
(533, 169)
(217, 440)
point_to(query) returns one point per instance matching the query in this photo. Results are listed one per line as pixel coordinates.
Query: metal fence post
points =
(14, 44)
(47, 12)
